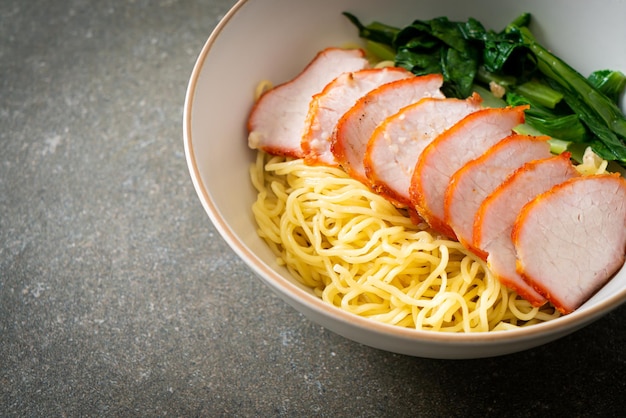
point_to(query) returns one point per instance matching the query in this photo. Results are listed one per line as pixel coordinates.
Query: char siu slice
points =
(276, 122)
(465, 141)
(330, 104)
(571, 239)
(397, 142)
(494, 219)
(470, 185)
(356, 126)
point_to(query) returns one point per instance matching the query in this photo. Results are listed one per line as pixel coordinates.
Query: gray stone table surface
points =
(119, 298)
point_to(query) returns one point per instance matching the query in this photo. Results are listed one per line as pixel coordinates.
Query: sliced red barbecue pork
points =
(571, 239)
(465, 141)
(398, 141)
(356, 126)
(471, 184)
(494, 218)
(327, 107)
(276, 122)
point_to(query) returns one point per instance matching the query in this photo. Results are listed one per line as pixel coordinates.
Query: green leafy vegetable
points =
(567, 127)
(438, 46)
(597, 111)
(576, 111)
(539, 93)
(611, 83)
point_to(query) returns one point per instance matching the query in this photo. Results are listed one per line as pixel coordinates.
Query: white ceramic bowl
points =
(274, 39)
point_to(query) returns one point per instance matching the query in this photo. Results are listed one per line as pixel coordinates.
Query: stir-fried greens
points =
(576, 111)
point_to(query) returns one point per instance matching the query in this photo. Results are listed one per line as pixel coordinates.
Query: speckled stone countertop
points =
(119, 298)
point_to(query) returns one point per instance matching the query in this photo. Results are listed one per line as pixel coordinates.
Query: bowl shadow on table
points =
(578, 375)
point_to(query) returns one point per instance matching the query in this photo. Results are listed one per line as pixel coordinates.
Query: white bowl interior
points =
(274, 39)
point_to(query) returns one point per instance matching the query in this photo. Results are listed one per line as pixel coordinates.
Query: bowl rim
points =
(282, 286)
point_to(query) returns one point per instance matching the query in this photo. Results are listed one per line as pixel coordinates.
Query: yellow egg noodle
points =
(360, 253)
